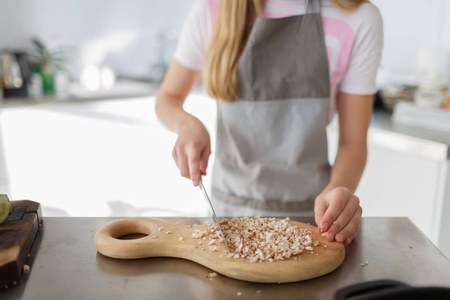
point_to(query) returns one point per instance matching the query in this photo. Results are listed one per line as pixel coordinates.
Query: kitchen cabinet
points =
(407, 174)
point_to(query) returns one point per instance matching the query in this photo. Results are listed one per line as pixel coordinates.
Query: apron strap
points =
(312, 6)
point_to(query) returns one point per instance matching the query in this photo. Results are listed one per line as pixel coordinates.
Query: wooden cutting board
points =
(17, 235)
(323, 259)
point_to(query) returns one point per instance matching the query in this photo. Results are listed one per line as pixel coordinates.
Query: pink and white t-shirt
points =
(354, 40)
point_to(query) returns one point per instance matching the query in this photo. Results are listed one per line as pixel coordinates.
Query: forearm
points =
(169, 110)
(348, 167)
(174, 90)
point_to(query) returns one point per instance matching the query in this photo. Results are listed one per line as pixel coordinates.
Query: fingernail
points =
(347, 241)
(325, 226)
(339, 238)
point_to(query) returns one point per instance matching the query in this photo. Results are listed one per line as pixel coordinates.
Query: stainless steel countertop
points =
(67, 266)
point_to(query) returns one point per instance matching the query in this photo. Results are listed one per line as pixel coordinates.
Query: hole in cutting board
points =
(132, 236)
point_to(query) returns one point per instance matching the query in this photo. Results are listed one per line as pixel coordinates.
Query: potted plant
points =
(48, 61)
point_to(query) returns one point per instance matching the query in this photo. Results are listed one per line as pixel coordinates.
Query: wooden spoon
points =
(163, 240)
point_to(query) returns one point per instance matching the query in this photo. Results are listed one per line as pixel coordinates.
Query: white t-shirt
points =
(354, 41)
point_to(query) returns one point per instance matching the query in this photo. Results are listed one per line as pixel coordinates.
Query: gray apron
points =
(271, 152)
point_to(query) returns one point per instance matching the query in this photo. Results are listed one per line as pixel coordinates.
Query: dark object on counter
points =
(17, 235)
(16, 70)
(390, 290)
(391, 95)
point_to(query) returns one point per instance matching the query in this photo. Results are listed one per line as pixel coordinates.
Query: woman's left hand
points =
(338, 213)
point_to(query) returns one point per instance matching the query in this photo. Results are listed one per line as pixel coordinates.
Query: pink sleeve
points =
(360, 76)
(194, 37)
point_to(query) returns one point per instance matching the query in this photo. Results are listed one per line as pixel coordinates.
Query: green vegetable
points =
(5, 207)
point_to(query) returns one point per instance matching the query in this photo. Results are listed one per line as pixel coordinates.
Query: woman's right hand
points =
(192, 150)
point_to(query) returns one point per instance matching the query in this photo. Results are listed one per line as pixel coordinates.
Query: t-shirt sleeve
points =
(360, 76)
(193, 41)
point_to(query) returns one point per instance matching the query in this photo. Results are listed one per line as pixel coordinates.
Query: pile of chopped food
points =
(257, 239)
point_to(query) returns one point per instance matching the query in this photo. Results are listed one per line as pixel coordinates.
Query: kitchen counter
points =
(123, 89)
(417, 141)
(422, 142)
(67, 266)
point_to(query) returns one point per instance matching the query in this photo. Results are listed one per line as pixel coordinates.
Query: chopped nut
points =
(324, 234)
(154, 236)
(411, 247)
(258, 239)
(239, 293)
(160, 228)
(26, 269)
(316, 243)
(211, 275)
(325, 246)
(168, 232)
(180, 238)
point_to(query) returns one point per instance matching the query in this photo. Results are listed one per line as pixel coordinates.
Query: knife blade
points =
(213, 213)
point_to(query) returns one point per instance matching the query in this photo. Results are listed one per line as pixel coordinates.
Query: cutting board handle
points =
(107, 242)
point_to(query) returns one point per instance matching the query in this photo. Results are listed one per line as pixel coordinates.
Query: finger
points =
(345, 217)
(182, 163)
(351, 228)
(320, 207)
(351, 238)
(193, 158)
(339, 200)
(204, 160)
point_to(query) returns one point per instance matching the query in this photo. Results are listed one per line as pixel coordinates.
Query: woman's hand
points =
(192, 149)
(338, 213)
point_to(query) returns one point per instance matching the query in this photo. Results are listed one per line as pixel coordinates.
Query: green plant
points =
(49, 60)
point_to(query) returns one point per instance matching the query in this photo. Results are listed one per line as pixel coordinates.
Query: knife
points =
(216, 220)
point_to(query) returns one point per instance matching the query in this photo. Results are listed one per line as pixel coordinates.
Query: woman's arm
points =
(337, 209)
(192, 148)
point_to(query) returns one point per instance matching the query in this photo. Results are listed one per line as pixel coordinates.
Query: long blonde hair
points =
(231, 31)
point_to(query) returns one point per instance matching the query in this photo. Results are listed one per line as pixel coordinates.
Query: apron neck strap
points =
(312, 6)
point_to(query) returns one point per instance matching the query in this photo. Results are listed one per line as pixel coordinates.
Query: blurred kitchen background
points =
(78, 132)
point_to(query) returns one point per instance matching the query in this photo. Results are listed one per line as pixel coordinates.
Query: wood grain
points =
(17, 235)
(160, 244)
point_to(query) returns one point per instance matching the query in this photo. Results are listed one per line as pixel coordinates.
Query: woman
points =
(279, 69)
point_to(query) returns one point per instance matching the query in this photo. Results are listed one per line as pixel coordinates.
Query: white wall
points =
(113, 32)
(122, 33)
(410, 25)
